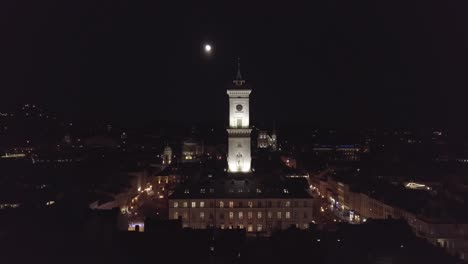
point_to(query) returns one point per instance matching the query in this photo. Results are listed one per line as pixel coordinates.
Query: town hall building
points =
(239, 192)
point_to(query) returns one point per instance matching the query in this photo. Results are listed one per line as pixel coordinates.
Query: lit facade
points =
(239, 158)
(255, 213)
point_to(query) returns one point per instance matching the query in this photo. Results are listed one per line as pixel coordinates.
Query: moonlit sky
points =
(327, 62)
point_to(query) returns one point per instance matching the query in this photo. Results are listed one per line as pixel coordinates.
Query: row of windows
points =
(240, 215)
(250, 228)
(232, 204)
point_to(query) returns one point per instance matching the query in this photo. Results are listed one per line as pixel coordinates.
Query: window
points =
(240, 190)
(259, 228)
(231, 215)
(221, 226)
(249, 228)
(241, 215)
(269, 203)
(194, 204)
(287, 204)
(305, 203)
(185, 204)
(221, 204)
(241, 204)
(250, 204)
(305, 215)
(239, 122)
(269, 215)
(249, 215)
(241, 226)
(211, 190)
(306, 226)
(185, 216)
(259, 191)
(186, 191)
(278, 204)
(176, 204)
(176, 215)
(221, 216)
(202, 215)
(231, 190)
(259, 204)
(288, 215)
(202, 204)
(259, 215)
(278, 215)
(231, 204)
(202, 190)
(296, 204)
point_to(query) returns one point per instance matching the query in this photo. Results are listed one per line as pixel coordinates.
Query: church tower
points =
(239, 158)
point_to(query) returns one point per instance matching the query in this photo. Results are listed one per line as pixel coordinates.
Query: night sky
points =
(389, 63)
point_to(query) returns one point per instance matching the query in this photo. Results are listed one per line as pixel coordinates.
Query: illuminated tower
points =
(239, 158)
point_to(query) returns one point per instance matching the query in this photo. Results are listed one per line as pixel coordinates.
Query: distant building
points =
(192, 150)
(167, 155)
(265, 140)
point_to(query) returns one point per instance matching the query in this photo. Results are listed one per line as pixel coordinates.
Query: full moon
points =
(208, 48)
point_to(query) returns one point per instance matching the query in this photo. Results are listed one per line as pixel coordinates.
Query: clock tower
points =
(238, 157)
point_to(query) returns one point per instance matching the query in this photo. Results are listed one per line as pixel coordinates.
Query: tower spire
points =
(238, 81)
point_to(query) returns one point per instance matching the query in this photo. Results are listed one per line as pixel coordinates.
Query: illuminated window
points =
(194, 204)
(287, 204)
(278, 215)
(231, 204)
(259, 191)
(241, 215)
(259, 228)
(202, 190)
(221, 226)
(306, 226)
(249, 228)
(288, 215)
(185, 216)
(270, 215)
(202, 204)
(185, 204)
(186, 191)
(176, 204)
(249, 215)
(221, 204)
(231, 215)
(259, 215)
(202, 215)
(241, 226)
(176, 215)
(250, 204)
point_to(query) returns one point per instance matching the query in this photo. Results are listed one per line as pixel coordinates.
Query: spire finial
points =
(238, 81)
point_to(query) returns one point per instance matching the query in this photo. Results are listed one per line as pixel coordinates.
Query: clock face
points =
(239, 107)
